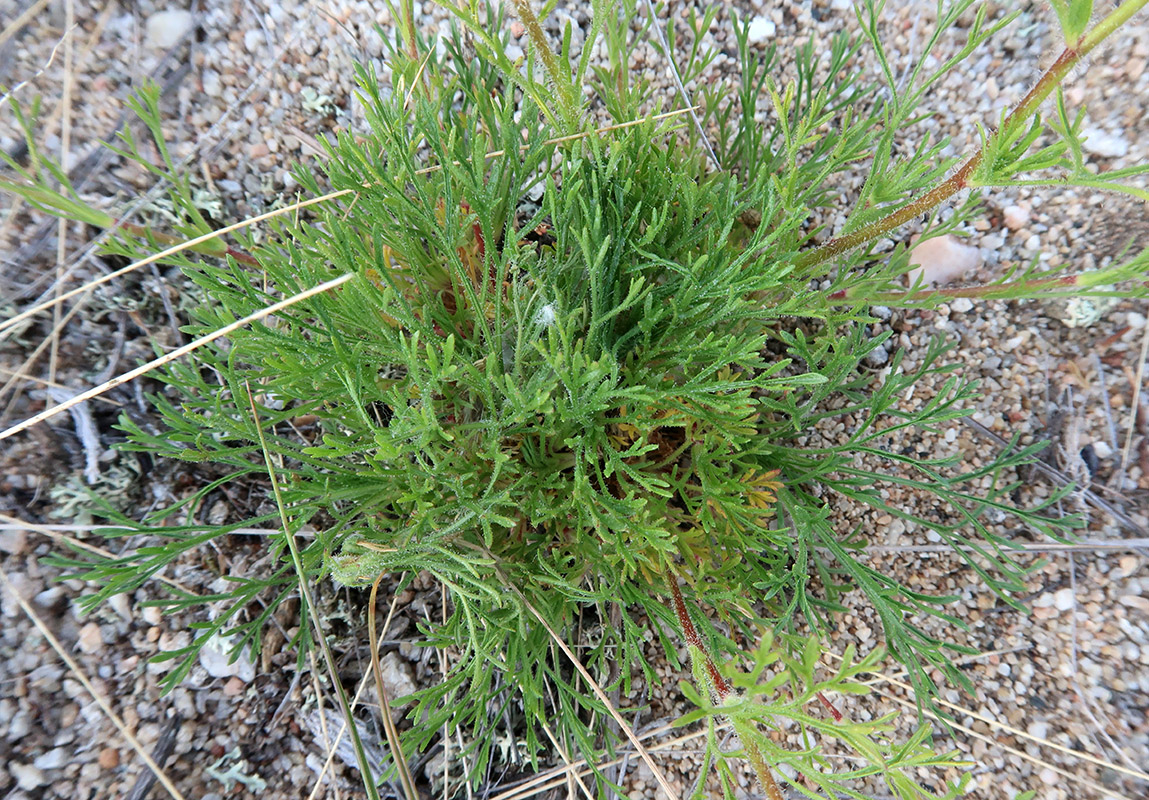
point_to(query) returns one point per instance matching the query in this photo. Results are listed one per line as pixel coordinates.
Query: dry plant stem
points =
(95, 391)
(101, 701)
(191, 244)
(313, 612)
(141, 232)
(1101, 790)
(578, 665)
(401, 766)
(993, 723)
(65, 150)
(23, 19)
(1053, 77)
(719, 686)
(1135, 404)
(53, 532)
(354, 703)
(678, 84)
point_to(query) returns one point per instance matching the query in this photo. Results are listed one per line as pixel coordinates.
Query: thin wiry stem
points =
(679, 86)
(312, 609)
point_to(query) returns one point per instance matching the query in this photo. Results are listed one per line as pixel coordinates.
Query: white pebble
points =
(53, 759)
(961, 305)
(1104, 144)
(165, 28)
(212, 86)
(761, 30)
(1063, 600)
(942, 259)
(1015, 217)
(1102, 450)
(1038, 730)
(27, 776)
(251, 40)
(215, 655)
(1044, 600)
(1135, 320)
(120, 604)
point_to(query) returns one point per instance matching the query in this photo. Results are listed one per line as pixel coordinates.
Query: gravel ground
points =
(250, 87)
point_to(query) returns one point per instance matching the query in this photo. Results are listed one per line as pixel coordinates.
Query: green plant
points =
(563, 413)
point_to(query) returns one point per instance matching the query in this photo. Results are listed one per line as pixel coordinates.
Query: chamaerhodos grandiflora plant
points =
(571, 409)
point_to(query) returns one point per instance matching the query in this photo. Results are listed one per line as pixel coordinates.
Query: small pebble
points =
(28, 777)
(109, 758)
(1015, 217)
(252, 40)
(215, 657)
(234, 687)
(961, 305)
(397, 676)
(1063, 599)
(165, 28)
(14, 542)
(90, 639)
(1104, 144)
(761, 30)
(877, 357)
(942, 260)
(1135, 602)
(53, 759)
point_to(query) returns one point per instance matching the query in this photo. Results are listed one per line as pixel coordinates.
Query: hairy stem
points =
(721, 689)
(560, 79)
(1049, 81)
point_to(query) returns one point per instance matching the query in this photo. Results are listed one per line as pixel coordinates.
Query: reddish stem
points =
(690, 633)
(834, 712)
(243, 257)
(721, 688)
(991, 291)
(142, 232)
(956, 182)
